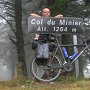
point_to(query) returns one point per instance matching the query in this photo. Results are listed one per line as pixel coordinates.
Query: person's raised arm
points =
(33, 14)
(59, 15)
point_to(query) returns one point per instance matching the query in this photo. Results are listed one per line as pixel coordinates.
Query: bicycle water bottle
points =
(65, 52)
(73, 56)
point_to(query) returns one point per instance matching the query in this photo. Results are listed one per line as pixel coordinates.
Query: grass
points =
(20, 83)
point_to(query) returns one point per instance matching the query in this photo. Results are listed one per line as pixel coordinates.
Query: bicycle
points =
(50, 71)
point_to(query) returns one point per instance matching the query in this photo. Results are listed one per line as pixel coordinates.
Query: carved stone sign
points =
(65, 25)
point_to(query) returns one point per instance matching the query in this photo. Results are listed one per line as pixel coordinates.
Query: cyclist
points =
(44, 38)
(45, 13)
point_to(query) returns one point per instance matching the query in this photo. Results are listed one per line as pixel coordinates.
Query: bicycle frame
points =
(54, 66)
(70, 45)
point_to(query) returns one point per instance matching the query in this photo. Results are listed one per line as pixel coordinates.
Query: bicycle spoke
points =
(47, 72)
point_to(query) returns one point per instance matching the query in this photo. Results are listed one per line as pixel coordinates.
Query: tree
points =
(14, 11)
(19, 35)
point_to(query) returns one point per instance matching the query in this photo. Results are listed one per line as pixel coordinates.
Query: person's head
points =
(46, 12)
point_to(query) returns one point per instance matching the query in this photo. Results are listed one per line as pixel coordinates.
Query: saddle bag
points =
(42, 52)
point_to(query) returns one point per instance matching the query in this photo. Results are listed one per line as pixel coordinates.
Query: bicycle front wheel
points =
(47, 72)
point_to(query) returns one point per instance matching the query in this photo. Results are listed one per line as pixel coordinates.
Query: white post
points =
(76, 62)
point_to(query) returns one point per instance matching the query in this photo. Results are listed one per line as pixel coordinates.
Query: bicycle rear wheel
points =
(47, 72)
